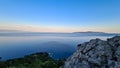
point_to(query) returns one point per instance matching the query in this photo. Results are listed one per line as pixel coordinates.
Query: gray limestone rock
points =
(96, 54)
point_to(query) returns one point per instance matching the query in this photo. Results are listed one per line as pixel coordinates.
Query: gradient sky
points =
(60, 15)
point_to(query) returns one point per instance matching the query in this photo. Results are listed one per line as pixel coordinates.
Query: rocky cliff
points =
(96, 54)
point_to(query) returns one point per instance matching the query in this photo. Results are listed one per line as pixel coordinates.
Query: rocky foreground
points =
(96, 54)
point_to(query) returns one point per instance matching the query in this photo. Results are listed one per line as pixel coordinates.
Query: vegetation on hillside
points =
(37, 60)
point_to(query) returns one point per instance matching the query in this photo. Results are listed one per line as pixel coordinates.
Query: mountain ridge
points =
(20, 31)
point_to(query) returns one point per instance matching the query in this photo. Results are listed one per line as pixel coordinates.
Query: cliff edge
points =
(96, 54)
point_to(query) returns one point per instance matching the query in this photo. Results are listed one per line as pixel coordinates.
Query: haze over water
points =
(57, 46)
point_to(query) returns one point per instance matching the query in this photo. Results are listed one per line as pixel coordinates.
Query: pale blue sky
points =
(60, 15)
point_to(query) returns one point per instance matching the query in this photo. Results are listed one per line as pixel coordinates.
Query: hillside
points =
(37, 60)
(96, 54)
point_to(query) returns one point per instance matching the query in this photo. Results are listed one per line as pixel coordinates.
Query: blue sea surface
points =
(57, 46)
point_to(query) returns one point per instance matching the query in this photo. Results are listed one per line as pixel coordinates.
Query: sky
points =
(60, 15)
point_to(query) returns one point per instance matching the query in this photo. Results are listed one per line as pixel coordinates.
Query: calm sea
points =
(56, 46)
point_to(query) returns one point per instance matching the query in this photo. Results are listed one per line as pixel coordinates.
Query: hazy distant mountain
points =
(75, 34)
(95, 33)
(6, 31)
(89, 32)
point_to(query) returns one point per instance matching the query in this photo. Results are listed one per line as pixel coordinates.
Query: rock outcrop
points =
(96, 54)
